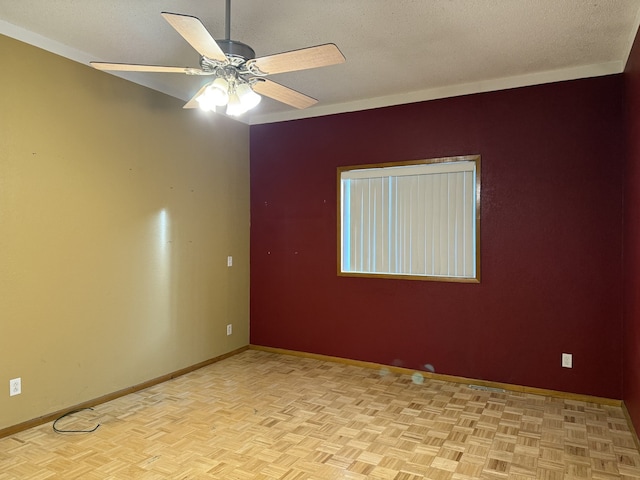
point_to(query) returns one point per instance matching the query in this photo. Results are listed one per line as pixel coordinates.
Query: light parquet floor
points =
(265, 416)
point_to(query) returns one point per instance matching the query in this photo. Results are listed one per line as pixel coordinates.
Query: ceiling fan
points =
(239, 77)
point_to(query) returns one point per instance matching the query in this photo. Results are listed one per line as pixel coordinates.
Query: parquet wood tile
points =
(264, 416)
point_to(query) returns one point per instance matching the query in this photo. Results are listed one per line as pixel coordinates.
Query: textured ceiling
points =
(397, 51)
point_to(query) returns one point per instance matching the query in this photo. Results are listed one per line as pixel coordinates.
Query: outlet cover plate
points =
(15, 386)
(229, 329)
(567, 360)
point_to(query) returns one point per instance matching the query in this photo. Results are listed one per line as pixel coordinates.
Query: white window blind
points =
(410, 220)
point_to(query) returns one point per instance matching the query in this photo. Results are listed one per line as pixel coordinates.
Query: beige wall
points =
(117, 212)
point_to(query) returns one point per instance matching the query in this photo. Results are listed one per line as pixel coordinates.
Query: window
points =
(417, 219)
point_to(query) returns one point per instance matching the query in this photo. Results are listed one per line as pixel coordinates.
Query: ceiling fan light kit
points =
(230, 90)
(239, 77)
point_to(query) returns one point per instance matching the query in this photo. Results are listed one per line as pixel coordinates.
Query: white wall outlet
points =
(229, 261)
(567, 360)
(229, 329)
(15, 387)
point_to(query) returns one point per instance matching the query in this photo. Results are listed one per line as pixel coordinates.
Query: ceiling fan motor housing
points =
(233, 49)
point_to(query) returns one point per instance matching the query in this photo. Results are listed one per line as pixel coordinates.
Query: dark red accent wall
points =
(632, 239)
(551, 238)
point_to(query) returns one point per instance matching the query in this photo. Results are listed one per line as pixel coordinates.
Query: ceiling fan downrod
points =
(237, 52)
(227, 20)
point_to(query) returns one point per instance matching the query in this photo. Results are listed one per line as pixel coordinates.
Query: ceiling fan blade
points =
(193, 103)
(311, 57)
(194, 32)
(283, 94)
(130, 67)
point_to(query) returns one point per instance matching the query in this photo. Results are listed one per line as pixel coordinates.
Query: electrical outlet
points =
(567, 360)
(229, 329)
(15, 387)
(229, 261)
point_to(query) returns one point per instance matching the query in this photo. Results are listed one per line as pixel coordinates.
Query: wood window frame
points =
(438, 278)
